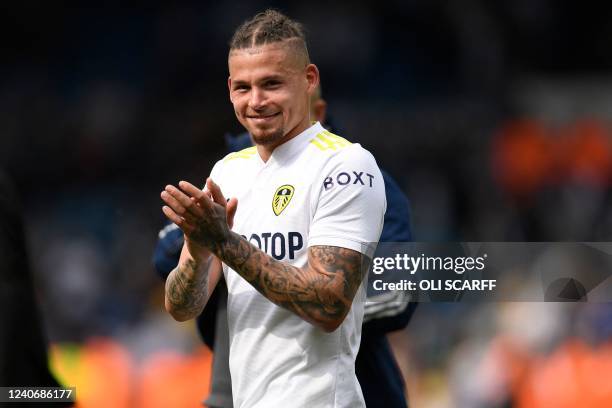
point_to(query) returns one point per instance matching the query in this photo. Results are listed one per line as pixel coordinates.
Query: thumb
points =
(232, 206)
(215, 191)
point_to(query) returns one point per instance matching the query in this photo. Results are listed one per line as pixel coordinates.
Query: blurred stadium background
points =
(494, 116)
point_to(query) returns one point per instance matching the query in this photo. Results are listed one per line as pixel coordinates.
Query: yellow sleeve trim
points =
(242, 154)
(326, 140)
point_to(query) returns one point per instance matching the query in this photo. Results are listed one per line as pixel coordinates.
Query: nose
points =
(258, 99)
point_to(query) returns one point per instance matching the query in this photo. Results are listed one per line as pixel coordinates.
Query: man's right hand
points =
(185, 209)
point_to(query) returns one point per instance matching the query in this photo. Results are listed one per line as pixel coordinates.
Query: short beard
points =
(269, 138)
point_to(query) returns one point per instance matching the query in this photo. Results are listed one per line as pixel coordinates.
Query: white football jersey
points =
(315, 189)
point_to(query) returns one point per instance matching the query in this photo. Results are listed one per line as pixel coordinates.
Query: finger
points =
(179, 208)
(180, 196)
(201, 197)
(190, 189)
(195, 201)
(215, 191)
(172, 202)
(184, 200)
(177, 219)
(208, 194)
(232, 206)
(205, 192)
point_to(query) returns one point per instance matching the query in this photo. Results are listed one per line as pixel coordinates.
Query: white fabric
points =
(276, 358)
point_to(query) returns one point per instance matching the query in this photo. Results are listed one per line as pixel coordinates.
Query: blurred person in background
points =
(380, 379)
(271, 81)
(23, 348)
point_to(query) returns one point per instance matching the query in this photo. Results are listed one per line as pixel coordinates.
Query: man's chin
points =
(267, 137)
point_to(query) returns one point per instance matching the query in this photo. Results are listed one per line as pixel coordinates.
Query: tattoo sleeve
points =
(321, 292)
(187, 289)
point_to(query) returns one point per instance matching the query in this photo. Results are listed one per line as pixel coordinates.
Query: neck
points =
(265, 152)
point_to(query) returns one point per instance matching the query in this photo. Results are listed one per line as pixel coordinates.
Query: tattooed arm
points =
(190, 284)
(321, 292)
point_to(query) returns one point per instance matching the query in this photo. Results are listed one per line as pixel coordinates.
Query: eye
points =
(272, 84)
(241, 88)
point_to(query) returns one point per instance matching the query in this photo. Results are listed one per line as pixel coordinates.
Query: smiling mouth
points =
(264, 117)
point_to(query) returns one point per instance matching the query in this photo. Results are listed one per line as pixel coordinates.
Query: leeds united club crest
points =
(281, 199)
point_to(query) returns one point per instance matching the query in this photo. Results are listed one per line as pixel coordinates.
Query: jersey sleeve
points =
(349, 208)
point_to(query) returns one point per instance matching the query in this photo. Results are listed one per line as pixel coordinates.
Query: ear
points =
(312, 76)
(229, 87)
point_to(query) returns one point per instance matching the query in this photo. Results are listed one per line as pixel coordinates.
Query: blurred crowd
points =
(494, 117)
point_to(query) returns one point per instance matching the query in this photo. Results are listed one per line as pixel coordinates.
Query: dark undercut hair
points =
(270, 27)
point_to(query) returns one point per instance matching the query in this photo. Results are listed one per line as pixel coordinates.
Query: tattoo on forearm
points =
(321, 292)
(187, 289)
